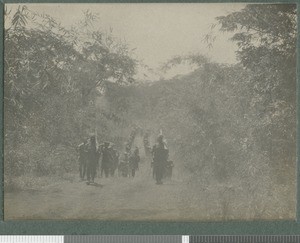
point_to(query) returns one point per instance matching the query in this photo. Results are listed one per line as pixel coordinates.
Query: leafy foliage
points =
(266, 37)
(215, 135)
(231, 125)
(263, 29)
(52, 78)
(192, 59)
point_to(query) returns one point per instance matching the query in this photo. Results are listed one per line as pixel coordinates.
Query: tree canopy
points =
(264, 31)
(53, 75)
(266, 35)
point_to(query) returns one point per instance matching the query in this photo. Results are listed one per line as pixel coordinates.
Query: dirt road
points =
(116, 198)
(137, 198)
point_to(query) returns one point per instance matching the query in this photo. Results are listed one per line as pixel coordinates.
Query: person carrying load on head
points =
(160, 157)
(115, 159)
(93, 157)
(134, 161)
(106, 159)
(82, 158)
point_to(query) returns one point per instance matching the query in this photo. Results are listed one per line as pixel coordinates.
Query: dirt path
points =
(136, 198)
(114, 198)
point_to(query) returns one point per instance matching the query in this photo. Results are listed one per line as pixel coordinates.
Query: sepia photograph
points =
(166, 112)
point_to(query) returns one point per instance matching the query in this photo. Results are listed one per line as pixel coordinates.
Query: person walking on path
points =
(160, 158)
(92, 161)
(82, 158)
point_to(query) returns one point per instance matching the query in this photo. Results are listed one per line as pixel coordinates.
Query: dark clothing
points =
(93, 157)
(160, 157)
(134, 163)
(82, 149)
(133, 172)
(124, 165)
(91, 172)
(115, 161)
(123, 169)
(82, 169)
(106, 161)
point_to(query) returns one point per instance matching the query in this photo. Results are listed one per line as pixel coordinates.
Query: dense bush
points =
(53, 76)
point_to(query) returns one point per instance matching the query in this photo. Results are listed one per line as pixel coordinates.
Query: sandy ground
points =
(111, 198)
(138, 198)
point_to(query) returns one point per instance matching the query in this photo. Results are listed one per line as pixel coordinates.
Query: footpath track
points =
(139, 198)
(113, 198)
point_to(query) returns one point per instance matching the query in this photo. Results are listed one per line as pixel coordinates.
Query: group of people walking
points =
(90, 154)
(130, 163)
(127, 165)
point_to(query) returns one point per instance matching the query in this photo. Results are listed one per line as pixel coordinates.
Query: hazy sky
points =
(158, 31)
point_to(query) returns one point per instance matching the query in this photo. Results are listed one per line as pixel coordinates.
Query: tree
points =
(62, 61)
(263, 31)
(266, 38)
(52, 74)
(191, 59)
